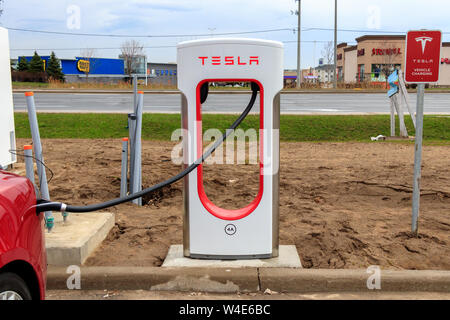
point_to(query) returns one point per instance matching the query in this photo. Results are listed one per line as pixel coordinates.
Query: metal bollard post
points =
(42, 176)
(29, 165)
(131, 137)
(137, 157)
(124, 173)
(135, 92)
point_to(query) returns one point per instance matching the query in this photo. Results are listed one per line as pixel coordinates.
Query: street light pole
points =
(299, 70)
(211, 30)
(335, 45)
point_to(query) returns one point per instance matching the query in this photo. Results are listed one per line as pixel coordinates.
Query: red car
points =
(23, 260)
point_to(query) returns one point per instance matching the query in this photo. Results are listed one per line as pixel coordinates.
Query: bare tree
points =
(328, 56)
(88, 54)
(1, 7)
(328, 52)
(389, 58)
(131, 50)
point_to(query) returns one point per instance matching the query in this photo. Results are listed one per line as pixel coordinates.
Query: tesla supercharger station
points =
(211, 232)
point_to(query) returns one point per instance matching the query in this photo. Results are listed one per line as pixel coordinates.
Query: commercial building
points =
(325, 73)
(113, 70)
(137, 64)
(375, 56)
(309, 75)
(164, 74)
(97, 69)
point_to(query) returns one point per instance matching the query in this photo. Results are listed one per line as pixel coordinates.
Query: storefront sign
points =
(423, 53)
(83, 65)
(361, 52)
(339, 56)
(386, 52)
(445, 61)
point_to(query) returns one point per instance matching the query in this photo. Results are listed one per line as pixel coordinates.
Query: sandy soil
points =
(344, 205)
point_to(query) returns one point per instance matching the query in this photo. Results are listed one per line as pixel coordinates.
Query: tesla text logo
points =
(424, 41)
(230, 60)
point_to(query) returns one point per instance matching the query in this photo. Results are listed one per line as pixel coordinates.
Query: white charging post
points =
(7, 135)
(211, 232)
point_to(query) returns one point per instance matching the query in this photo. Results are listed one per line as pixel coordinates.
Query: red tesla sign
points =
(423, 56)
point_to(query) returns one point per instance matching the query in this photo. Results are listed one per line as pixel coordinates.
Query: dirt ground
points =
(344, 205)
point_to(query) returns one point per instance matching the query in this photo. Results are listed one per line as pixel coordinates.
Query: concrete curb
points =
(159, 279)
(220, 280)
(351, 280)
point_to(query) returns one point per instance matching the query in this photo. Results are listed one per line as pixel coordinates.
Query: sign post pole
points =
(423, 52)
(392, 117)
(418, 157)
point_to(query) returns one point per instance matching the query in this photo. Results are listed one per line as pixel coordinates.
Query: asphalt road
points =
(344, 103)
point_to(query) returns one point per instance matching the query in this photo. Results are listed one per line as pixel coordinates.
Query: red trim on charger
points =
(208, 204)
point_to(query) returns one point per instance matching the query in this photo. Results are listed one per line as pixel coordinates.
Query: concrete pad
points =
(288, 258)
(71, 242)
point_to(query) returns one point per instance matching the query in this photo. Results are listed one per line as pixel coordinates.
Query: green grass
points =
(21, 85)
(334, 128)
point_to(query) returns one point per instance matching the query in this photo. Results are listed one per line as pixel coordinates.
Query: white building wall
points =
(350, 66)
(444, 71)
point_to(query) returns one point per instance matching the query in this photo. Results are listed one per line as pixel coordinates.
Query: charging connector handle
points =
(58, 206)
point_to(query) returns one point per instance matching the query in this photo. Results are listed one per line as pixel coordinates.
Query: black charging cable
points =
(22, 154)
(44, 205)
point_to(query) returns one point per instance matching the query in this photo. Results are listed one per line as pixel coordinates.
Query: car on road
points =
(23, 261)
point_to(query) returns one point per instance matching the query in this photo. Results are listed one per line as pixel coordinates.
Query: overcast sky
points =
(164, 17)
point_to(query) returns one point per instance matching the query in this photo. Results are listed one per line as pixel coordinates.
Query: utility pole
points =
(299, 70)
(314, 54)
(1, 7)
(335, 45)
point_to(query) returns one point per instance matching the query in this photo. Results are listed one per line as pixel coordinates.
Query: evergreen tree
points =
(54, 69)
(36, 63)
(23, 64)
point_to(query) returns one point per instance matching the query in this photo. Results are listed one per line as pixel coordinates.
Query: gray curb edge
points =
(234, 280)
